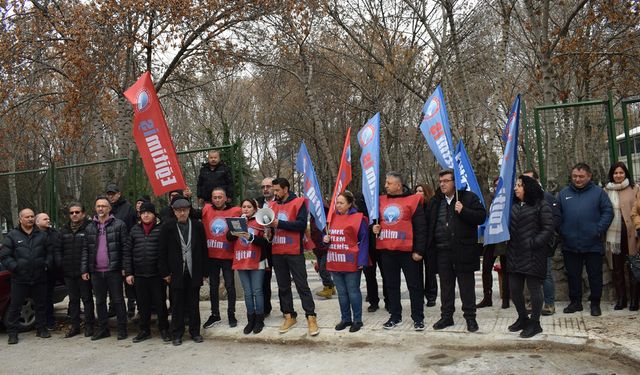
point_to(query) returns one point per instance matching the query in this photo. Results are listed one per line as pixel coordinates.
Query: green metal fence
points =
(50, 189)
(568, 133)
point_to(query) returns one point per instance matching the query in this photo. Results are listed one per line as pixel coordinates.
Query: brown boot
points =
(313, 325)
(289, 321)
(326, 292)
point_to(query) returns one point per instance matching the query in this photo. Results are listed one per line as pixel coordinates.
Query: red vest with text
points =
(286, 241)
(216, 230)
(396, 229)
(246, 256)
(342, 255)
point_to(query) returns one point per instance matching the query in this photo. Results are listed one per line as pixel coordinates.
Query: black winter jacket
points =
(530, 228)
(27, 256)
(117, 240)
(171, 254)
(124, 211)
(142, 253)
(69, 255)
(208, 179)
(464, 231)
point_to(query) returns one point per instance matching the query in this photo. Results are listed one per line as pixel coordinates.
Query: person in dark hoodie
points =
(587, 213)
(26, 253)
(70, 256)
(454, 249)
(141, 267)
(401, 246)
(214, 173)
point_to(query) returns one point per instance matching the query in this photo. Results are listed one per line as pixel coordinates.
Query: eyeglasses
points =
(75, 212)
(444, 181)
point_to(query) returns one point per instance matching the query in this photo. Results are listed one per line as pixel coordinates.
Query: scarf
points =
(614, 233)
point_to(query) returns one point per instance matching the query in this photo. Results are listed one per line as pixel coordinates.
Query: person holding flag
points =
(453, 247)
(289, 225)
(401, 245)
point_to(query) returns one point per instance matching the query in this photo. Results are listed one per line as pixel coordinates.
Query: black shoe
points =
(532, 329)
(101, 335)
(418, 326)
(72, 332)
(259, 324)
(88, 331)
(472, 325)
(486, 302)
(140, 337)
(197, 339)
(373, 308)
(251, 322)
(519, 324)
(213, 320)
(177, 341)
(13, 339)
(342, 325)
(391, 323)
(595, 309)
(166, 337)
(505, 303)
(431, 302)
(355, 327)
(620, 304)
(573, 307)
(43, 333)
(443, 323)
(122, 335)
(233, 322)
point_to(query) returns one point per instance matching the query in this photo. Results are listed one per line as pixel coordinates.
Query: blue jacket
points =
(586, 215)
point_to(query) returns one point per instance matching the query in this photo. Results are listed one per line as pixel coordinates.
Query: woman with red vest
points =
(250, 260)
(348, 253)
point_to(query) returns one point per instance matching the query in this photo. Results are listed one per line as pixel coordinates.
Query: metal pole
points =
(541, 169)
(628, 143)
(527, 145)
(613, 149)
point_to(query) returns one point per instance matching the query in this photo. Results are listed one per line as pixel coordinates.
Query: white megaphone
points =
(265, 216)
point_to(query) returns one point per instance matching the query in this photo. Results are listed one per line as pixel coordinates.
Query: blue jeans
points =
(549, 286)
(252, 286)
(349, 295)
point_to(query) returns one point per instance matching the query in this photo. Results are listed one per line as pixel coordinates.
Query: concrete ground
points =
(570, 344)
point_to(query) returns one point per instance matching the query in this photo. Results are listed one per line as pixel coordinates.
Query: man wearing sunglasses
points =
(69, 256)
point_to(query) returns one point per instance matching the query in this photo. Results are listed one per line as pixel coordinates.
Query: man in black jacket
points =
(69, 256)
(141, 267)
(26, 253)
(401, 247)
(43, 222)
(106, 238)
(183, 253)
(453, 247)
(123, 210)
(215, 173)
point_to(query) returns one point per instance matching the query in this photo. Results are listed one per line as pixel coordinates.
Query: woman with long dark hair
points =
(621, 235)
(250, 260)
(531, 228)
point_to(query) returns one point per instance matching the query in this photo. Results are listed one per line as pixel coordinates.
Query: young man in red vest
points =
(220, 254)
(288, 254)
(401, 244)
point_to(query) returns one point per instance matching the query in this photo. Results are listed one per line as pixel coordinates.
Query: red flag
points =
(344, 174)
(153, 139)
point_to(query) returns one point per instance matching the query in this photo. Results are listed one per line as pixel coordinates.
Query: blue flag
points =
(435, 128)
(464, 175)
(369, 140)
(497, 224)
(310, 187)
